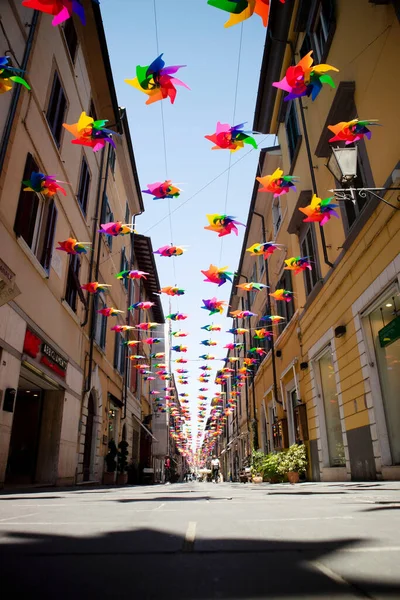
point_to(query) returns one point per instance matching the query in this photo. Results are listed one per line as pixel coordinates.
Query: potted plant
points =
(257, 460)
(122, 463)
(294, 462)
(271, 467)
(111, 463)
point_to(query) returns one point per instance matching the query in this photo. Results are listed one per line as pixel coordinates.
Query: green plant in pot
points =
(271, 467)
(111, 463)
(257, 460)
(122, 463)
(293, 462)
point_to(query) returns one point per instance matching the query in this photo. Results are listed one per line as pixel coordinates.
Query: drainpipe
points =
(128, 317)
(17, 91)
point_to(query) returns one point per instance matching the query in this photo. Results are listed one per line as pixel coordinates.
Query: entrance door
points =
(25, 433)
(87, 453)
(331, 410)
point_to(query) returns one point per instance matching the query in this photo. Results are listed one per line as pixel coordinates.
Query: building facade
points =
(330, 379)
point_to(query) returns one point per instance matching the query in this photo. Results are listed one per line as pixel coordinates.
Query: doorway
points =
(25, 436)
(87, 452)
(334, 436)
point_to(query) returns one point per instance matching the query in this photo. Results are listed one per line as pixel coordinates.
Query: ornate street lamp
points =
(342, 164)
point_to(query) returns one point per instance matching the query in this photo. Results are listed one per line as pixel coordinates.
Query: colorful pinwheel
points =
(179, 334)
(211, 327)
(230, 138)
(141, 305)
(182, 371)
(272, 318)
(209, 343)
(217, 275)
(116, 228)
(170, 251)
(109, 312)
(237, 331)
(181, 361)
(43, 184)
(179, 348)
(222, 224)
(264, 248)
(259, 351)
(157, 355)
(207, 357)
(72, 246)
(277, 183)
(214, 305)
(160, 190)
(94, 287)
(152, 340)
(242, 314)
(251, 285)
(319, 211)
(351, 131)
(172, 291)
(261, 334)
(8, 75)
(241, 10)
(297, 264)
(233, 345)
(146, 326)
(121, 328)
(304, 79)
(131, 275)
(176, 316)
(131, 343)
(61, 9)
(281, 294)
(88, 132)
(156, 81)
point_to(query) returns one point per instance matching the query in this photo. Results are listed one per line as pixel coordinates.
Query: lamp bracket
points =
(349, 194)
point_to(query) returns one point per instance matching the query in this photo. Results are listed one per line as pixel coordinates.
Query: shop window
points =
(276, 214)
(73, 284)
(101, 322)
(107, 216)
(292, 131)
(36, 219)
(124, 266)
(56, 109)
(112, 159)
(284, 309)
(84, 184)
(333, 425)
(71, 38)
(308, 249)
(119, 354)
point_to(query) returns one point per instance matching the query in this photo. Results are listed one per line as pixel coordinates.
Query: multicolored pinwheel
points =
(179, 348)
(217, 275)
(160, 190)
(207, 357)
(94, 286)
(61, 9)
(277, 183)
(109, 312)
(131, 275)
(72, 246)
(116, 228)
(172, 291)
(251, 285)
(222, 224)
(88, 132)
(237, 330)
(44, 184)
(211, 327)
(241, 10)
(272, 318)
(214, 305)
(319, 211)
(209, 343)
(261, 334)
(156, 81)
(351, 131)
(233, 345)
(230, 138)
(259, 351)
(122, 328)
(141, 306)
(176, 316)
(147, 326)
(305, 79)
(281, 294)
(264, 248)
(9, 75)
(297, 264)
(242, 314)
(170, 251)
(152, 340)
(179, 334)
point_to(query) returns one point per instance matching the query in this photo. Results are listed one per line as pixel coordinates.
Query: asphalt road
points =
(201, 541)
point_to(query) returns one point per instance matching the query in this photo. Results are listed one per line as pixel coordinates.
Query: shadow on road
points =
(166, 499)
(151, 564)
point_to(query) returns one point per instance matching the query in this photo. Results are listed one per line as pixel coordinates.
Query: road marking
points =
(19, 517)
(190, 536)
(161, 505)
(295, 519)
(329, 573)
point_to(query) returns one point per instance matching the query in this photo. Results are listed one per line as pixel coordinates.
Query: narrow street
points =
(336, 540)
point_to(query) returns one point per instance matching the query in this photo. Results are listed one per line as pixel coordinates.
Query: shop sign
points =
(390, 333)
(8, 288)
(41, 351)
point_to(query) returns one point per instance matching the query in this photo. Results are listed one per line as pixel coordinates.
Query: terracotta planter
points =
(122, 478)
(109, 478)
(275, 479)
(257, 479)
(293, 477)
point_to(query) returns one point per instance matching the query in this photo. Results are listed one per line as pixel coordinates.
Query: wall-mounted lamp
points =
(304, 365)
(340, 331)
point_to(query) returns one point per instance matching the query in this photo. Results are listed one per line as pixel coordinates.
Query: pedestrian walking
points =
(215, 466)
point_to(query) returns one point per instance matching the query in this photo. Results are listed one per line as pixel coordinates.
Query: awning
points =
(145, 428)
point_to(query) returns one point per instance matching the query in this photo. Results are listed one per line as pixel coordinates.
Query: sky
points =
(215, 69)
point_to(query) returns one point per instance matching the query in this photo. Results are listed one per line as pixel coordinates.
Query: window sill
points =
(70, 311)
(99, 348)
(28, 252)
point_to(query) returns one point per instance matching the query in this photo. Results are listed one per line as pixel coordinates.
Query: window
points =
(119, 354)
(71, 38)
(308, 249)
(56, 109)
(100, 333)
(331, 410)
(292, 131)
(112, 159)
(84, 185)
(92, 110)
(261, 266)
(73, 284)
(284, 309)
(124, 266)
(276, 214)
(324, 22)
(107, 216)
(252, 293)
(127, 213)
(36, 219)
